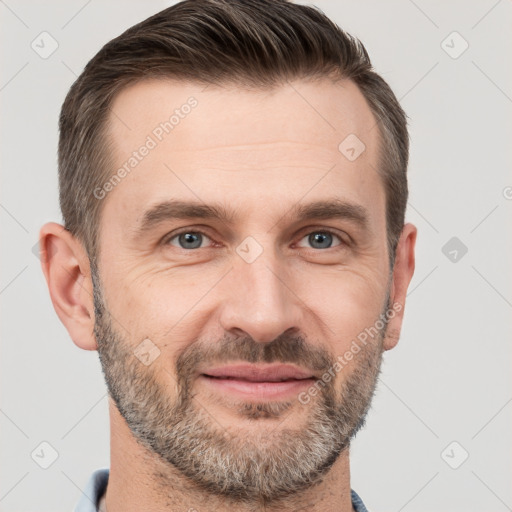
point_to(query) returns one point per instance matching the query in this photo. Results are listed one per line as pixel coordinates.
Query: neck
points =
(140, 480)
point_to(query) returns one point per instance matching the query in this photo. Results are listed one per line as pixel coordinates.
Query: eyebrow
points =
(320, 210)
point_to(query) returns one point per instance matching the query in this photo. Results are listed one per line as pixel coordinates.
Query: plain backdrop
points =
(438, 434)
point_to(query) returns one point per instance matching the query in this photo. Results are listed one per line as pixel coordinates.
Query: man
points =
(233, 186)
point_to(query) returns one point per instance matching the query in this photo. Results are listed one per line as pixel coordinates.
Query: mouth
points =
(268, 382)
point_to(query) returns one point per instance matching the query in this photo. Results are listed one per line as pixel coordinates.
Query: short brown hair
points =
(255, 43)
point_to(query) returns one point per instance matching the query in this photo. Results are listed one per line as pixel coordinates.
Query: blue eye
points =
(188, 239)
(322, 239)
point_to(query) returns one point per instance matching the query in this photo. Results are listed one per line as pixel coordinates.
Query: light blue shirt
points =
(97, 485)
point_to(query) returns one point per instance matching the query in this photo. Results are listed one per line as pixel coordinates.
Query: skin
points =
(259, 153)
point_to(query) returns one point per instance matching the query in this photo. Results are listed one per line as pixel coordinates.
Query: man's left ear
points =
(403, 271)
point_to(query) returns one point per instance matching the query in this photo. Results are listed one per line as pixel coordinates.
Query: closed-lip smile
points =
(269, 381)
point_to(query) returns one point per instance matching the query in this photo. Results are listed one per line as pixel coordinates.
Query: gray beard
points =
(261, 467)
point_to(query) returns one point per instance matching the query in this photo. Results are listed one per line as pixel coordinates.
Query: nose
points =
(259, 300)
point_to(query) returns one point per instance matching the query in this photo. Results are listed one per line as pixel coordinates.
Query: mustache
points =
(284, 349)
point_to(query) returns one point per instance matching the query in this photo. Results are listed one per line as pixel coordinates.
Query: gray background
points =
(449, 378)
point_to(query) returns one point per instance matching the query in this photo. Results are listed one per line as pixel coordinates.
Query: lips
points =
(253, 373)
(257, 382)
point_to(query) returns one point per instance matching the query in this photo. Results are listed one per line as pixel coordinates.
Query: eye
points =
(319, 239)
(187, 239)
(322, 239)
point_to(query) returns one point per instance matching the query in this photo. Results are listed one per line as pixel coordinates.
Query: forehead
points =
(229, 144)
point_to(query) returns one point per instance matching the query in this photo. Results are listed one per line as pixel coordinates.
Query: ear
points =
(403, 271)
(66, 268)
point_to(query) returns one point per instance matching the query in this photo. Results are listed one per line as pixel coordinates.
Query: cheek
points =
(161, 305)
(343, 304)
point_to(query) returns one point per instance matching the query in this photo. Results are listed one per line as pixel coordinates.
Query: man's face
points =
(211, 328)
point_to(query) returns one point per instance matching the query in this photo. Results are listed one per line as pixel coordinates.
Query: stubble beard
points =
(261, 465)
